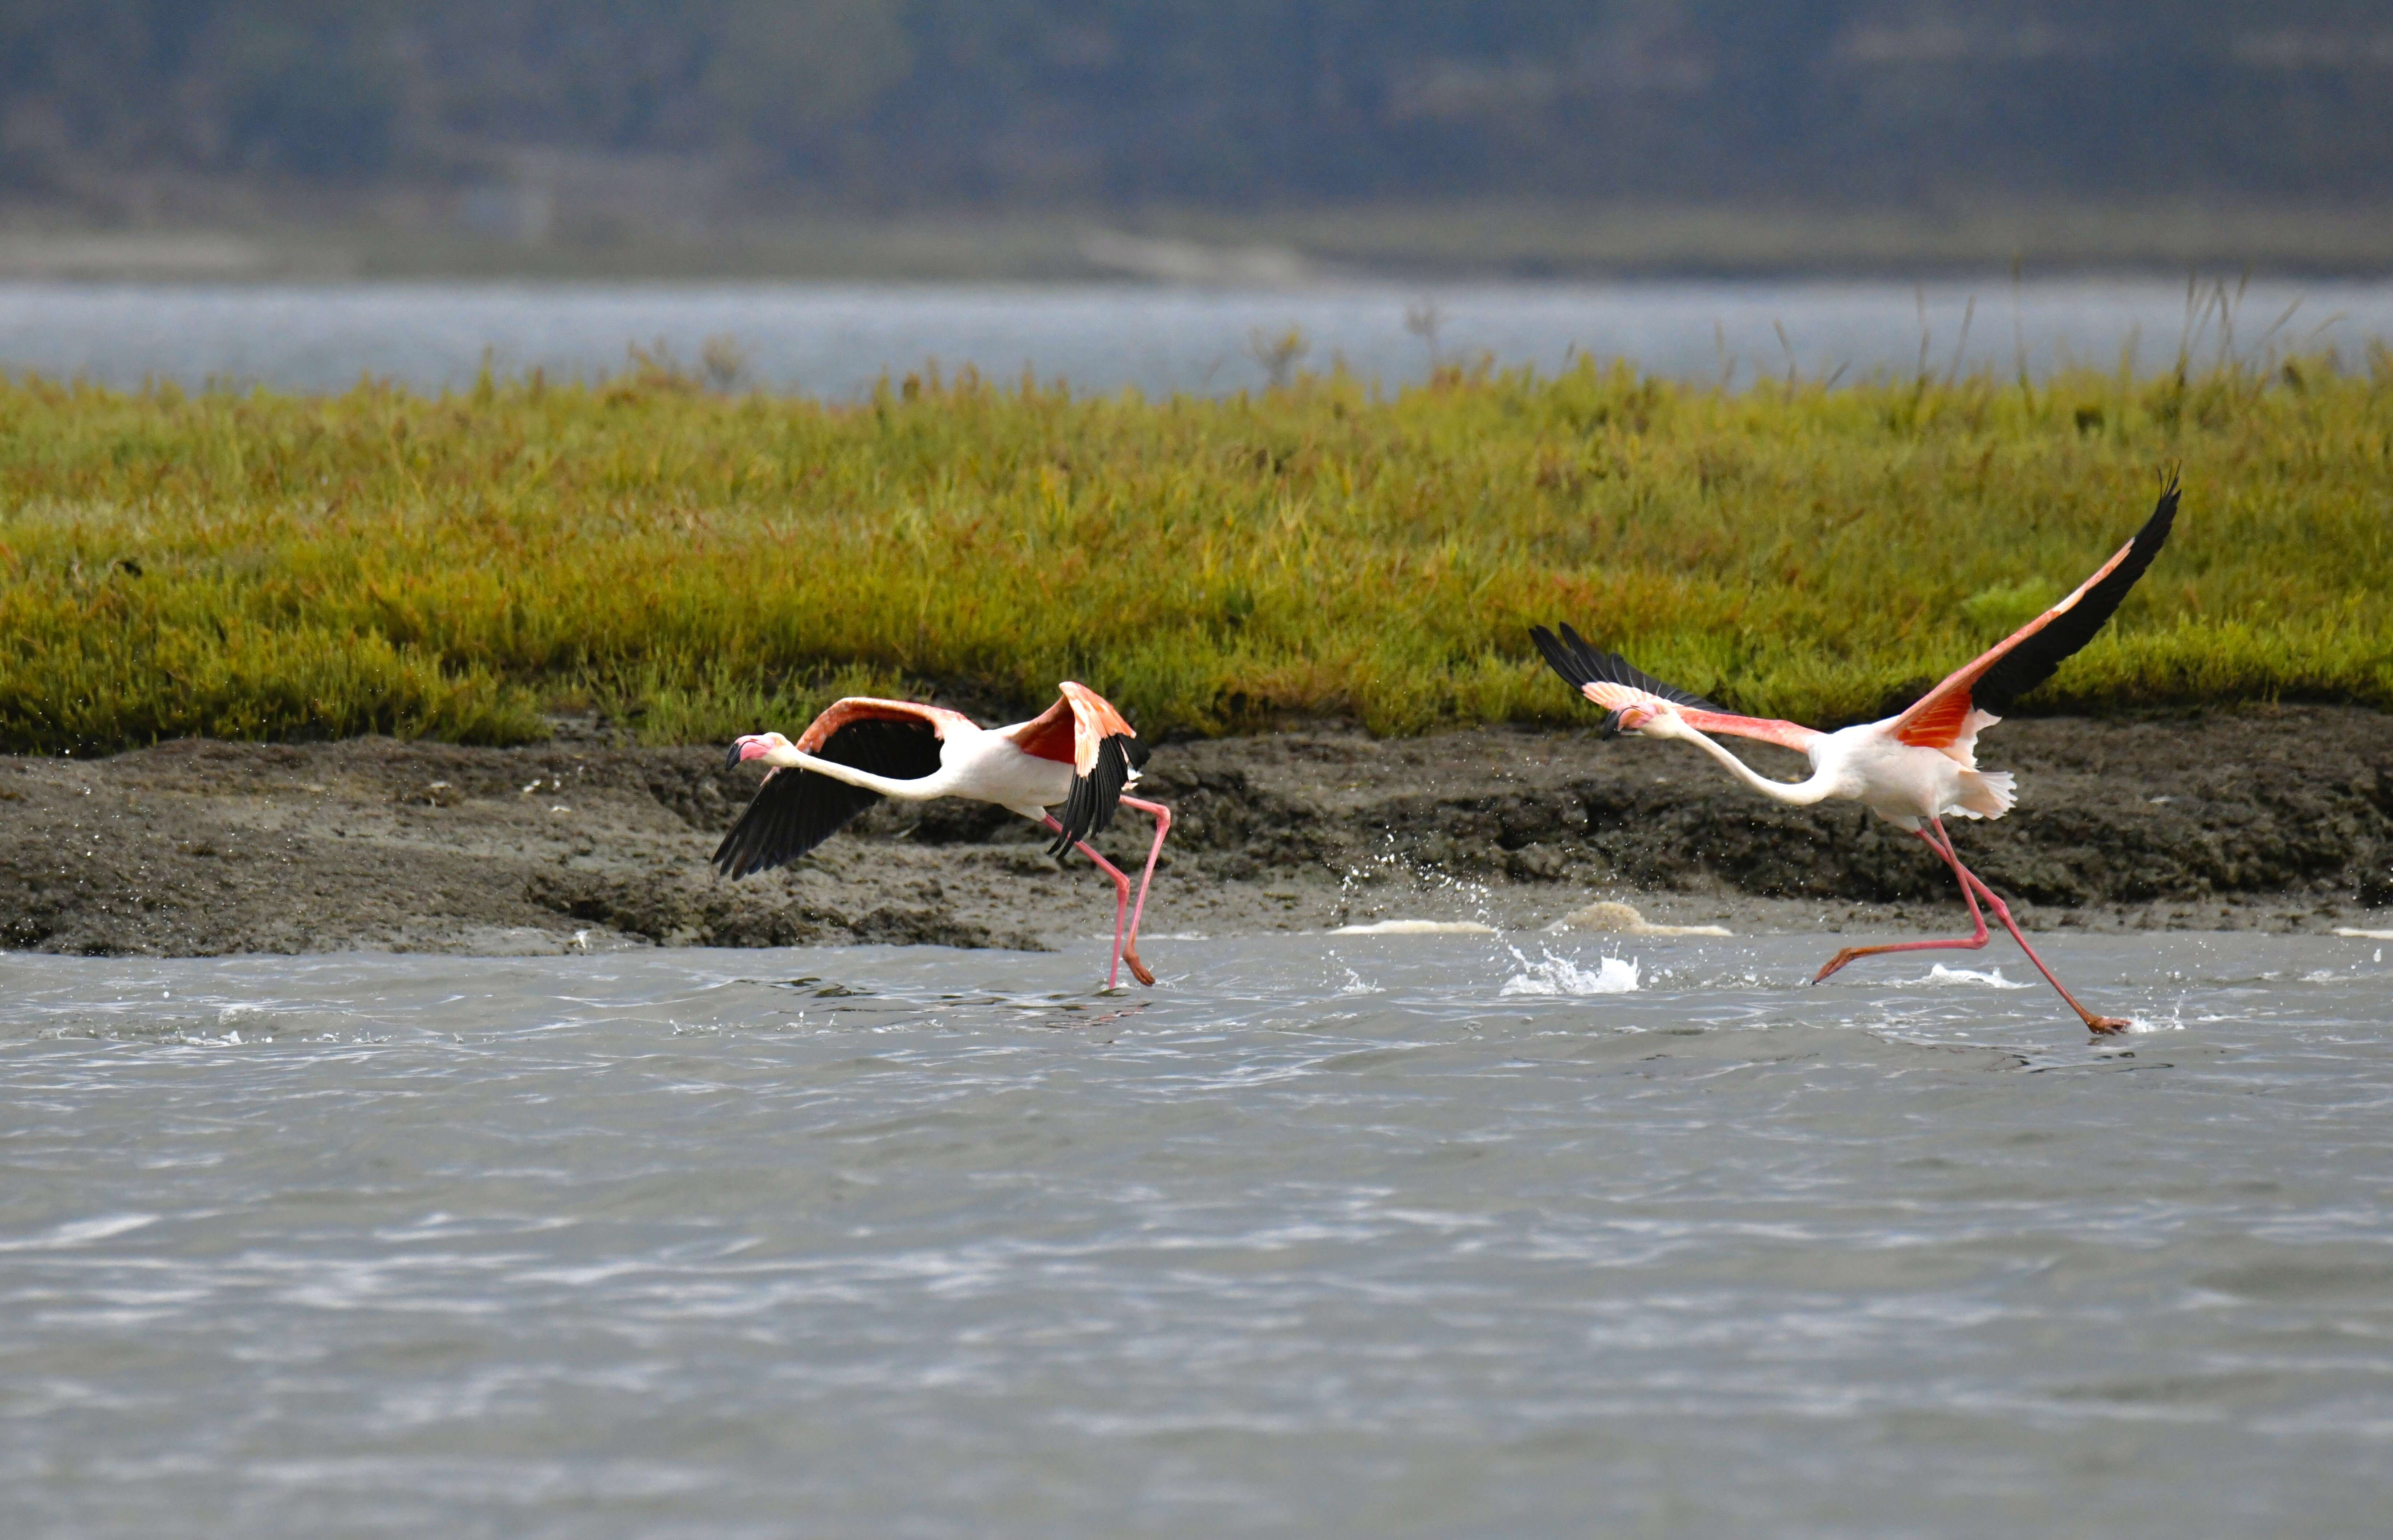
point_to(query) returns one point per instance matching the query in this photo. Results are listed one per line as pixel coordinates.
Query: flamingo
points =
(1912, 769)
(1078, 753)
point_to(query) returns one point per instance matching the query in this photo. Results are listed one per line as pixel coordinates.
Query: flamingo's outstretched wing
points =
(795, 810)
(1613, 683)
(1104, 750)
(1978, 694)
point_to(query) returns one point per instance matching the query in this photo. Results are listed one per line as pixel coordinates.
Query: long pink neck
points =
(1818, 789)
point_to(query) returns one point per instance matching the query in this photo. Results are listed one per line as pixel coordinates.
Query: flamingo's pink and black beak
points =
(1629, 719)
(739, 748)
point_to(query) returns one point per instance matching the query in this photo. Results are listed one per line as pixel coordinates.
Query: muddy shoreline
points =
(2277, 819)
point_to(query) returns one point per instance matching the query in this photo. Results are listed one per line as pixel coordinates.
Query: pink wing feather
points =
(1976, 695)
(1787, 734)
(861, 708)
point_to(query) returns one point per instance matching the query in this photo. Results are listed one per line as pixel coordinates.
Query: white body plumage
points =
(1904, 783)
(974, 762)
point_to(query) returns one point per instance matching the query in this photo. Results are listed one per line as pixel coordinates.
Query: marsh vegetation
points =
(695, 563)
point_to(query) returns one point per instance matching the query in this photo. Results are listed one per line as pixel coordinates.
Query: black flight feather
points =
(1580, 665)
(795, 810)
(1095, 796)
(2033, 661)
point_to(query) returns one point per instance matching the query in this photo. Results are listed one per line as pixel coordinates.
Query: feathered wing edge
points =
(794, 810)
(2075, 621)
(1614, 684)
(1582, 665)
(1095, 796)
(1976, 695)
(848, 709)
(1106, 758)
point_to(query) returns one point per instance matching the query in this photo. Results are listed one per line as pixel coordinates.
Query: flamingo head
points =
(1630, 709)
(1635, 718)
(754, 745)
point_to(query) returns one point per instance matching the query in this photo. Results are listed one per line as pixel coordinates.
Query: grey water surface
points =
(835, 340)
(1324, 1235)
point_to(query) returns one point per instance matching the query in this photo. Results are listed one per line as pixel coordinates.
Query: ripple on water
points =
(1361, 1234)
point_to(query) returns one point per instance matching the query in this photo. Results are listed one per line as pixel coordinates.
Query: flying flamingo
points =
(1912, 769)
(1078, 753)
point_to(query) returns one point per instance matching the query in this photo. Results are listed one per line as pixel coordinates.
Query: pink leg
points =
(1121, 907)
(1162, 817)
(2101, 1024)
(1969, 944)
(1970, 881)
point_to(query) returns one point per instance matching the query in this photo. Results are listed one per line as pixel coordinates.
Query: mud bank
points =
(2278, 819)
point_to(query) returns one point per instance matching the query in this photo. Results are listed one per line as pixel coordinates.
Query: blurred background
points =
(1720, 169)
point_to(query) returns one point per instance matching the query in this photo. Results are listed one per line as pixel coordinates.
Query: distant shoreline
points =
(429, 239)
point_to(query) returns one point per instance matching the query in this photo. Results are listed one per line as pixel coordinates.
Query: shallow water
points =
(835, 339)
(1366, 1235)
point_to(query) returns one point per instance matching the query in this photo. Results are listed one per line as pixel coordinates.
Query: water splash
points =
(1940, 975)
(1561, 975)
(1416, 927)
(1392, 871)
(1355, 984)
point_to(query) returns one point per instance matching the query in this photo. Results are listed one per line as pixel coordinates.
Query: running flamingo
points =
(1912, 769)
(1078, 753)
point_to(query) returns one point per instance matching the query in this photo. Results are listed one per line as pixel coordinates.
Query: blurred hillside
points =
(582, 126)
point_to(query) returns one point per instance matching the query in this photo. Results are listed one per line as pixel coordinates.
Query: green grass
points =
(701, 565)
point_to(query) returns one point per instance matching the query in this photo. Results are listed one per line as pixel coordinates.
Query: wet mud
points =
(2280, 819)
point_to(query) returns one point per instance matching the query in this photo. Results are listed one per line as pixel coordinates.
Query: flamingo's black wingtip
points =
(1581, 665)
(1565, 659)
(2156, 528)
(1089, 808)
